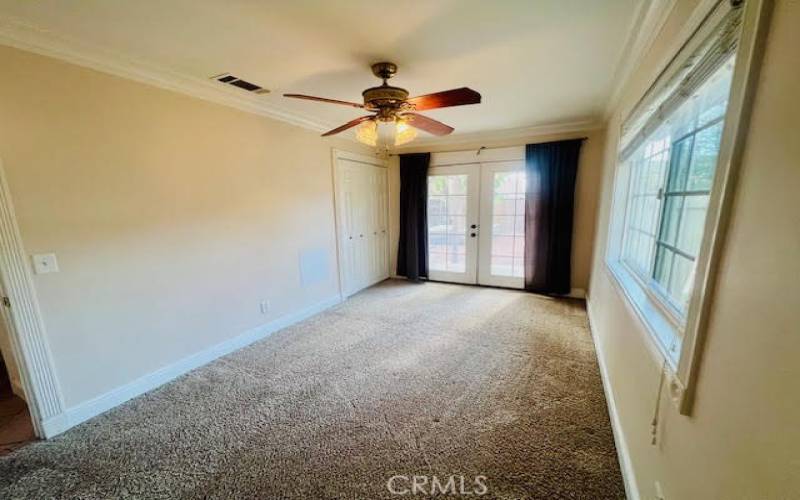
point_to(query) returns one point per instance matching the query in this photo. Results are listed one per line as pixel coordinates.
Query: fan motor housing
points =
(384, 96)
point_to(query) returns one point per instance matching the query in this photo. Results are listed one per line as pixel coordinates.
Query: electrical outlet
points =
(265, 306)
(659, 492)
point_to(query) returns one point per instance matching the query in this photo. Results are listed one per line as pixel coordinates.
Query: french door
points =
(476, 223)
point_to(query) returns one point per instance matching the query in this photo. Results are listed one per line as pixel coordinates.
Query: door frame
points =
(336, 155)
(483, 155)
(25, 325)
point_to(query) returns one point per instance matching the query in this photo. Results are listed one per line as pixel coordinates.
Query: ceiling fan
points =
(391, 105)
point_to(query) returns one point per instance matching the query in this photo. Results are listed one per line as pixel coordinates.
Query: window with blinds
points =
(668, 154)
(670, 182)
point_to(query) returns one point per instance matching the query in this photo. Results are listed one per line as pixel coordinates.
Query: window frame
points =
(661, 324)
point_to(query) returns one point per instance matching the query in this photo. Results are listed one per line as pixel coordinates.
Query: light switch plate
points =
(44, 263)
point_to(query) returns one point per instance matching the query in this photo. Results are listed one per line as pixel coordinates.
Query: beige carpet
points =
(401, 380)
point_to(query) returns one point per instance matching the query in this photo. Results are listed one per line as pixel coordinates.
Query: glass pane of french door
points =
(452, 223)
(502, 242)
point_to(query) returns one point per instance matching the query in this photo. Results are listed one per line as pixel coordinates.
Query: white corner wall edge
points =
(84, 411)
(623, 453)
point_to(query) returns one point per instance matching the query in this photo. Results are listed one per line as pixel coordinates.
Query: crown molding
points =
(494, 136)
(647, 23)
(24, 36)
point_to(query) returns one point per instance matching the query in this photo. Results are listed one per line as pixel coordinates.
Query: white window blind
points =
(700, 57)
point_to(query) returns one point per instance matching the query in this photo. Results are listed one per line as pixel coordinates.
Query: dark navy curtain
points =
(551, 169)
(412, 255)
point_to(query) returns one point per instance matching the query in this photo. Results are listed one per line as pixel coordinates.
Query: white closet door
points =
(362, 258)
(377, 232)
(348, 211)
(382, 242)
(372, 230)
(361, 203)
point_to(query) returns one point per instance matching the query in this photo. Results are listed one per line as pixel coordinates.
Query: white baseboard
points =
(100, 404)
(53, 426)
(625, 462)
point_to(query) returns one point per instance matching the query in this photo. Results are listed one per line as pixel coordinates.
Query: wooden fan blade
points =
(428, 124)
(323, 99)
(350, 124)
(455, 97)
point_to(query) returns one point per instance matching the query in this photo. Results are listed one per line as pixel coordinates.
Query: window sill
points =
(662, 334)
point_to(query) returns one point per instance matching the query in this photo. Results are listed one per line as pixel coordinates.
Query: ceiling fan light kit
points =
(404, 132)
(383, 133)
(367, 133)
(395, 120)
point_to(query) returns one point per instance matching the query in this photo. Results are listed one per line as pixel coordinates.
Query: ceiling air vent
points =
(229, 79)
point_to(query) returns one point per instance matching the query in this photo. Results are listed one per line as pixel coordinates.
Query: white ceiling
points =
(536, 62)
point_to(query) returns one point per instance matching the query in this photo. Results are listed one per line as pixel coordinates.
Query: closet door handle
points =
(472, 235)
(474, 226)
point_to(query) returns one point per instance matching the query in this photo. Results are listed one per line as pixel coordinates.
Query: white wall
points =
(742, 439)
(171, 217)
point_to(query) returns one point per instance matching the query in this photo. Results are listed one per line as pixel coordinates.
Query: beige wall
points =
(171, 217)
(586, 193)
(742, 439)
